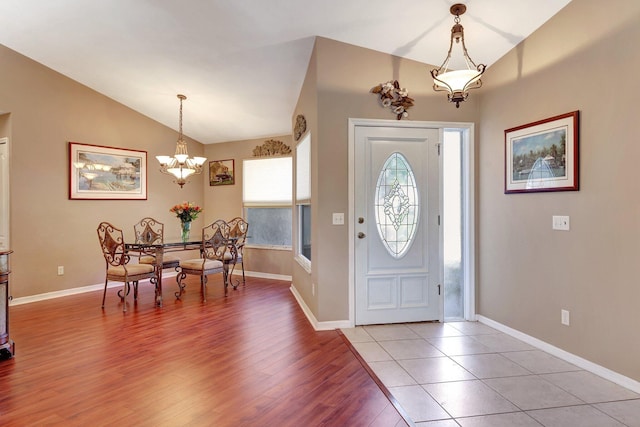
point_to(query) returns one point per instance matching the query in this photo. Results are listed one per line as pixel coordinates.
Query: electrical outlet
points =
(564, 317)
(60, 270)
(338, 218)
(561, 223)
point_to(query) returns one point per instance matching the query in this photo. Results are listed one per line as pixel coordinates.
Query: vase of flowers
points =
(186, 212)
(185, 230)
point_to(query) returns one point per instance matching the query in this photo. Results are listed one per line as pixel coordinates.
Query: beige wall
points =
(226, 202)
(46, 111)
(527, 273)
(344, 75)
(308, 107)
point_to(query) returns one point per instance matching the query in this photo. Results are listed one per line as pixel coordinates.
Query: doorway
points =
(403, 289)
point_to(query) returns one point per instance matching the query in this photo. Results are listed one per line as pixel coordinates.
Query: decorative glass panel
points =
(396, 205)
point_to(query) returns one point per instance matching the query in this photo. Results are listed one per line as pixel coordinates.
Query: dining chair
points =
(215, 238)
(238, 229)
(149, 231)
(118, 267)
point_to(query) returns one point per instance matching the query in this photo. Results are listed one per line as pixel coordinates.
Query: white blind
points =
(303, 169)
(267, 181)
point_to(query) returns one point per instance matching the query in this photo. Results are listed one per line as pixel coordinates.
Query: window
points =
(304, 212)
(303, 201)
(452, 152)
(396, 205)
(267, 193)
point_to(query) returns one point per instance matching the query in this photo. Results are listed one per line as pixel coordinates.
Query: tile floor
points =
(471, 375)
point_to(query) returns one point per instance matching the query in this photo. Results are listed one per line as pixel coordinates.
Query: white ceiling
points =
(241, 63)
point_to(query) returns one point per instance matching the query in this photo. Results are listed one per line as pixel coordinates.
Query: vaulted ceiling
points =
(241, 63)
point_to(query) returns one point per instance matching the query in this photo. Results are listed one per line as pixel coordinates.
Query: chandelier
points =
(457, 83)
(181, 166)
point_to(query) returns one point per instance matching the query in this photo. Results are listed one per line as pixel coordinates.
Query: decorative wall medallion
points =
(271, 147)
(392, 96)
(301, 126)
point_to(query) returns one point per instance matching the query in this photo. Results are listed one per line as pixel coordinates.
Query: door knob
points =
(360, 220)
(361, 235)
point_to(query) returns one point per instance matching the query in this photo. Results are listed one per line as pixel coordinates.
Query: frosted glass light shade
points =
(181, 173)
(181, 158)
(164, 160)
(457, 81)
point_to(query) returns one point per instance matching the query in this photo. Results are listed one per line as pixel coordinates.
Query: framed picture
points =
(106, 173)
(221, 172)
(542, 156)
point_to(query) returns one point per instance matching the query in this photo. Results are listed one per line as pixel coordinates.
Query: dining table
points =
(157, 250)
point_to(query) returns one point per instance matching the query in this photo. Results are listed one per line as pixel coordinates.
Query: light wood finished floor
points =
(250, 359)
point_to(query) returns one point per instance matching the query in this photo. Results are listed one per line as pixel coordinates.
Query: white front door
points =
(397, 256)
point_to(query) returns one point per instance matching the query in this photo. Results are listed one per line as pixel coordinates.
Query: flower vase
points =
(186, 230)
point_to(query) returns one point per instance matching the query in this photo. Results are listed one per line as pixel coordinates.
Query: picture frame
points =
(221, 172)
(542, 156)
(98, 172)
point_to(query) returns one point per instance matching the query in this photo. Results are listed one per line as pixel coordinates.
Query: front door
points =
(397, 256)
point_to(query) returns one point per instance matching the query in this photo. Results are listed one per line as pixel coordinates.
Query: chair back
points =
(149, 231)
(112, 244)
(215, 238)
(238, 229)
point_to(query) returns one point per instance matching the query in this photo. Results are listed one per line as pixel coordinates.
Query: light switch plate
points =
(561, 223)
(338, 218)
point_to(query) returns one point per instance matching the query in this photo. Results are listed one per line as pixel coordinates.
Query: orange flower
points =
(187, 211)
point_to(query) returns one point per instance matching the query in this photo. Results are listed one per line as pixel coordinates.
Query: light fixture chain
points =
(180, 126)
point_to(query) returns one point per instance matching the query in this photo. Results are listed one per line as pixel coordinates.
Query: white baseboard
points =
(318, 326)
(263, 275)
(63, 293)
(585, 364)
(100, 286)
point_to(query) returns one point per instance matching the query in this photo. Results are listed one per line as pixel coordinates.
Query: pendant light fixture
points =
(457, 83)
(181, 166)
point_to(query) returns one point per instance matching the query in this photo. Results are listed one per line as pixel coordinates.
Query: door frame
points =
(468, 203)
(4, 195)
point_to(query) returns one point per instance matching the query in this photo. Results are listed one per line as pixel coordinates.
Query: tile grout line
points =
(377, 380)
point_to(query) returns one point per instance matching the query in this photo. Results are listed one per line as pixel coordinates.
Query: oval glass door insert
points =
(396, 205)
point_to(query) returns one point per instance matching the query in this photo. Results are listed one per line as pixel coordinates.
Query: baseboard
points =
(318, 326)
(263, 275)
(100, 286)
(585, 364)
(64, 293)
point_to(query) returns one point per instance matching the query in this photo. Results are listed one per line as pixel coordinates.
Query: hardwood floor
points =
(250, 359)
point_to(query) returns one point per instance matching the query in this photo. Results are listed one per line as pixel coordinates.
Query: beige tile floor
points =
(468, 374)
